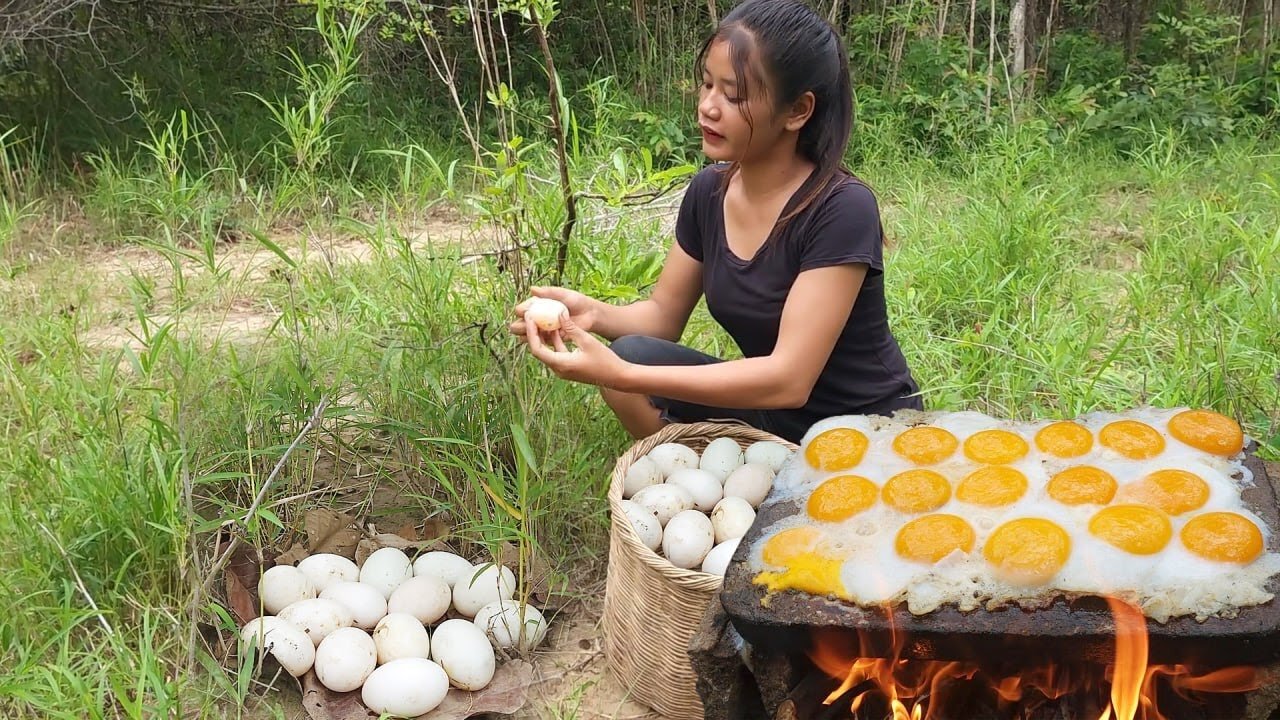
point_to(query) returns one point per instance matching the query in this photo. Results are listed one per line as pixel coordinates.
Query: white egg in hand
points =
(642, 473)
(720, 457)
(545, 313)
(732, 518)
(324, 569)
(282, 586)
(664, 501)
(345, 658)
(385, 569)
(483, 586)
(425, 597)
(702, 485)
(717, 561)
(510, 623)
(442, 564)
(400, 635)
(365, 602)
(644, 522)
(406, 688)
(751, 482)
(317, 617)
(669, 456)
(465, 653)
(687, 539)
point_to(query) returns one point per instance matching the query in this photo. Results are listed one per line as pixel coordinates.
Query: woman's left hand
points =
(591, 361)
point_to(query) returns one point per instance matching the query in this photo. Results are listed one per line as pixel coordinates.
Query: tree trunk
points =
(942, 18)
(991, 60)
(1018, 37)
(973, 12)
(713, 12)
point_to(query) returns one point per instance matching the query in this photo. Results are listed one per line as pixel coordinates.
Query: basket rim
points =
(692, 579)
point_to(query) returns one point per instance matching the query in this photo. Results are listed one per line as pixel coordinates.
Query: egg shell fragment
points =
(510, 623)
(671, 455)
(425, 597)
(365, 602)
(465, 653)
(442, 564)
(405, 688)
(400, 635)
(324, 569)
(287, 644)
(345, 658)
(732, 518)
(317, 617)
(644, 522)
(282, 586)
(751, 482)
(483, 586)
(687, 539)
(642, 473)
(717, 561)
(704, 487)
(664, 501)
(385, 569)
(720, 457)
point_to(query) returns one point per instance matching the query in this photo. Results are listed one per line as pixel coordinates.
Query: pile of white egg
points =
(693, 509)
(399, 630)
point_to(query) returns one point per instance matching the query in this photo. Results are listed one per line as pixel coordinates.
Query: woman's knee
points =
(639, 349)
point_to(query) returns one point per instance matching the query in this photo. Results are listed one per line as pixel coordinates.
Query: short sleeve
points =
(845, 229)
(691, 220)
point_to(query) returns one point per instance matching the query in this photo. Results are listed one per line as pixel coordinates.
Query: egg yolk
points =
(925, 445)
(930, 538)
(1137, 529)
(1028, 550)
(1082, 484)
(808, 572)
(993, 485)
(1132, 439)
(1208, 431)
(1222, 536)
(842, 497)
(836, 449)
(788, 544)
(1171, 490)
(995, 447)
(1064, 439)
(917, 491)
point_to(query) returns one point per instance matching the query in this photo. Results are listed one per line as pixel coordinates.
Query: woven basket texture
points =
(651, 607)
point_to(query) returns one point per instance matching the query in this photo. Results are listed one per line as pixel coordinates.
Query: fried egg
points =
(962, 508)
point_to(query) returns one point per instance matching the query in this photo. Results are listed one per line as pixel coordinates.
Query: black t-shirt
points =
(866, 372)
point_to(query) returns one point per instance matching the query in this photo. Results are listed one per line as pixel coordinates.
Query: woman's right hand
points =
(581, 309)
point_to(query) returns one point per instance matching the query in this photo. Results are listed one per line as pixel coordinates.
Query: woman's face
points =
(723, 108)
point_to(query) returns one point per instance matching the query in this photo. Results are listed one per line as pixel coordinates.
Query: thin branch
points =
(79, 581)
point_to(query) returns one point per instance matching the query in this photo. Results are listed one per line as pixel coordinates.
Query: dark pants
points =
(785, 423)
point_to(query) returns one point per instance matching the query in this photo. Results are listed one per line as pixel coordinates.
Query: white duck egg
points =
(282, 586)
(672, 455)
(717, 561)
(400, 635)
(287, 644)
(481, 587)
(345, 658)
(642, 473)
(442, 564)
(317, 617)
(732, 518)
(407, 688)
(425, 597)
(545, 313)
(365, 602)
(324, 569)
(751, 482)
(385, 569)
(664, 501)
(510, 623)
(644, 522)
(687, 539)
(702, 485)
(720, 457)
(464, 651)
(768, 453)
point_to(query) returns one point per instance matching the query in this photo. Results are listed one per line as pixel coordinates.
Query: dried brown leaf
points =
(505, 694)
(240, 579)
(321, 703)
(436, 529)
(329, 531)
(293, 555)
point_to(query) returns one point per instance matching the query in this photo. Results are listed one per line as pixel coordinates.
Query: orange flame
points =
(918, 689)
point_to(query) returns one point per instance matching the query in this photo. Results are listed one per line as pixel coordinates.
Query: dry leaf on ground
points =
(505, 694)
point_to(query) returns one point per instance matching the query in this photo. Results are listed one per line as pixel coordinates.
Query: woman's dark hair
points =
(786, 47)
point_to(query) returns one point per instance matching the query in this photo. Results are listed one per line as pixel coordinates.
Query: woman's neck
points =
(765, 177)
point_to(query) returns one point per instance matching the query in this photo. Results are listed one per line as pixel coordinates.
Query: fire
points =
(919, 689)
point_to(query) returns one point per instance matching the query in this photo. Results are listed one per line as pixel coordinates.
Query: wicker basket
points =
(652, 608)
